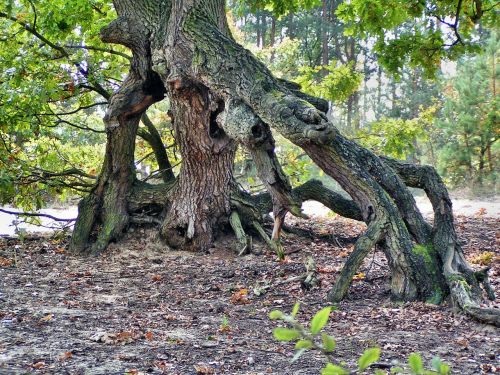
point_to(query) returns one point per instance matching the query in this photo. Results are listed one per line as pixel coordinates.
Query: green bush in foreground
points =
(311, 338)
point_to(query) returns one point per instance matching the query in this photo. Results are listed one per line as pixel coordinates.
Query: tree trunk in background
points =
(291, 26)
(353, 119)
(263, 32)
(378, 110)
(259, 31)
(272, 39)
(325, 59)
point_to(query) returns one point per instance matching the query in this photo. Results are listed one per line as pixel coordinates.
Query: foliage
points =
(334, 82)
(54, 73)
(281, 7)
(416, 32)
(486, 258)
(397, 137)
(313, 339)
(55, 79)
(284, 59)
(46, 168)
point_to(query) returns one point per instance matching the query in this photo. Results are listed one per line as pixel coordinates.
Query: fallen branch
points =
(308, 279)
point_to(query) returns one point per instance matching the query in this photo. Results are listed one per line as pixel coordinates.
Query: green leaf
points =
(397, 370)
(328, 343)
(440, 367)
(320, 319)
(415, 362)
(304, 344)
(295, 309)
(331, 369)
(436, 363)
(285, 334)
(298, 353)
(444, 369)
(276, 314)
(369, 356)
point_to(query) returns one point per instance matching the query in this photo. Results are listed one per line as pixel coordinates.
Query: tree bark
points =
(201, 198)
(418, 272)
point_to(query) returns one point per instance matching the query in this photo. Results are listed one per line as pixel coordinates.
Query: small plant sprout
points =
(224, 326)
(311, 337)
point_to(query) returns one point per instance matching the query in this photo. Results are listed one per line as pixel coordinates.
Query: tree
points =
(221, 96)
(470, 120)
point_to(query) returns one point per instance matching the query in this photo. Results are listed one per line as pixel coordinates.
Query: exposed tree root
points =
(378, 188)
(243, 239)
(308, 279)
(462, 280)
(361, 249)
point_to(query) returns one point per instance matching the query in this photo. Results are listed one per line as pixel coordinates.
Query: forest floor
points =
(139, 309)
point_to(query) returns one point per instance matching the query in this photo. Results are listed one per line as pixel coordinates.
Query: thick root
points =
(361, 249)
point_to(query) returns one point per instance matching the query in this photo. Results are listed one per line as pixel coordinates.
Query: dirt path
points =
(142, 310)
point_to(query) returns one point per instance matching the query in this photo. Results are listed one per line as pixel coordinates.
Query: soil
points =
(140, 309)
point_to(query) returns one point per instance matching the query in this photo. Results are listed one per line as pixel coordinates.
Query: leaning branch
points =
(35, 214)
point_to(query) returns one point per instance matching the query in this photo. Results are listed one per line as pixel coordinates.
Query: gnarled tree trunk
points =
(220, 95)
(201, 198)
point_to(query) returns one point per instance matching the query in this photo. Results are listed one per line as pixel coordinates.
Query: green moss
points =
(426, 252)
(277, 94)
(437, 297)
(455, 277)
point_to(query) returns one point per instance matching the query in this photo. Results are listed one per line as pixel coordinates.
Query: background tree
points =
(470, 122)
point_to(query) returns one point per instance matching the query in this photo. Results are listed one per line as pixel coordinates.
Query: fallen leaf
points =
(148, 336)
(46, 318)
(65, 356)
(38, 365)
(327, 269)
(156, 278)
(5, 262)
(358, 276)
(240, 297)
(481, 212)
(122, 338)
(203, 369)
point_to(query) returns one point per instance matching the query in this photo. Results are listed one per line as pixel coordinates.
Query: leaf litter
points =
(139, 309)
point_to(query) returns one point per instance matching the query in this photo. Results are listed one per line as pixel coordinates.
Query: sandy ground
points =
(465, 207)
(461, 206)
(8, 227)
